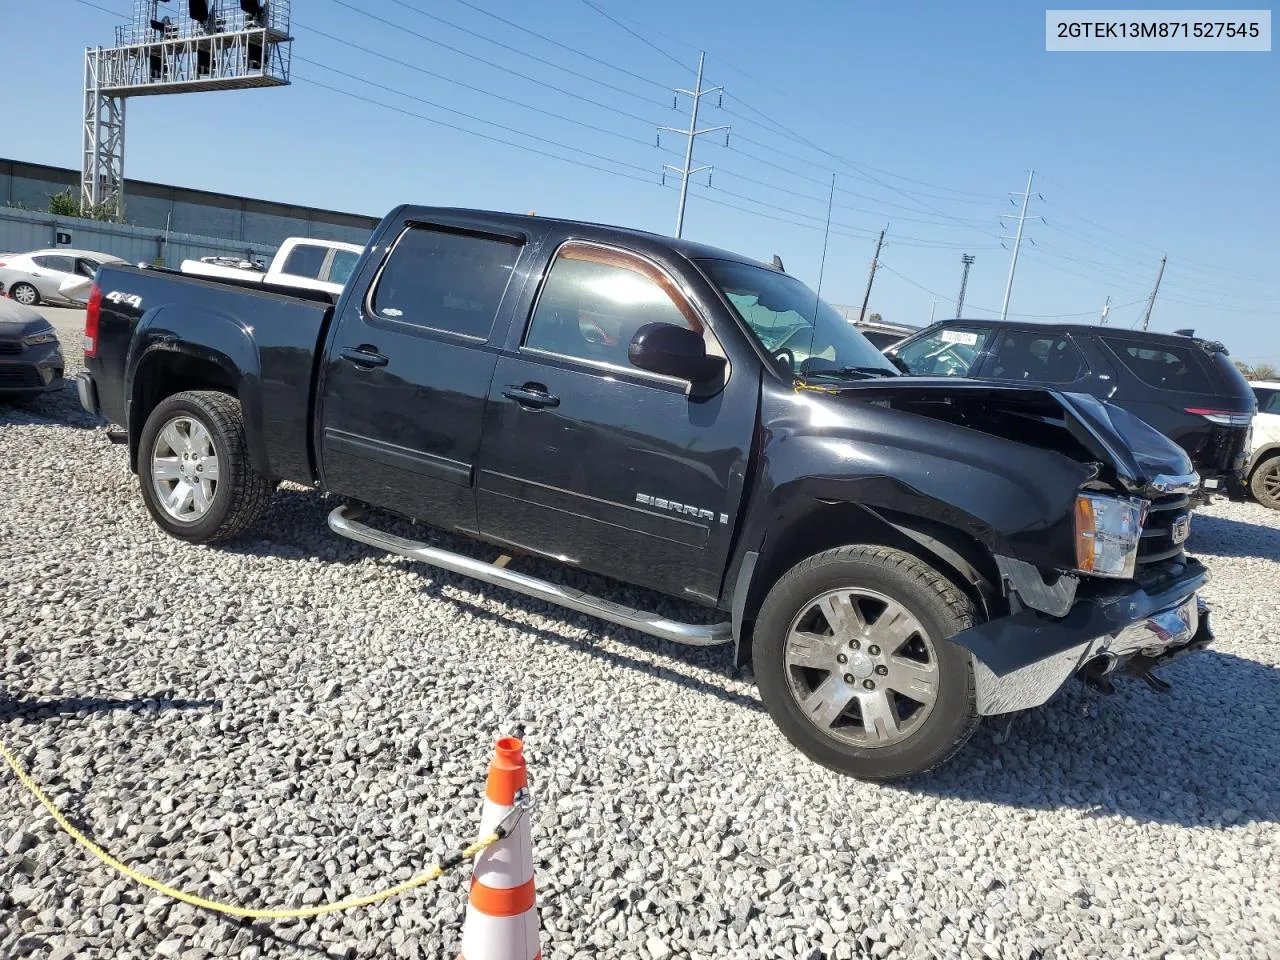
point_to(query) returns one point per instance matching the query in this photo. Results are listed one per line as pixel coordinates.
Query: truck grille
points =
(10, 346)
(1158, 535)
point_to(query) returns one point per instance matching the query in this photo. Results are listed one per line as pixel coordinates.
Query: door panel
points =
(596, 463)
(407, 375)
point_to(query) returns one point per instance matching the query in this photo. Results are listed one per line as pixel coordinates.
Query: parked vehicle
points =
(32, 278)
(1185, 387)
(301, 263)
(30, 356)
(1262, 471)
(884, 335)
(896, 556)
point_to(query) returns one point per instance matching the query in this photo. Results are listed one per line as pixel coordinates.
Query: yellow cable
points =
(422, 880)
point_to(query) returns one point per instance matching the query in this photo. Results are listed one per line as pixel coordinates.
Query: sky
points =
(929, 114)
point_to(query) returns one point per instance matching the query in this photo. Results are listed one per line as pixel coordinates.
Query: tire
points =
(926, 610)
(25, 294)
(226, 497)
(1265, 483)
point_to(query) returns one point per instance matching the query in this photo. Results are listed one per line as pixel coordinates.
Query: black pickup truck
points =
(896, 556)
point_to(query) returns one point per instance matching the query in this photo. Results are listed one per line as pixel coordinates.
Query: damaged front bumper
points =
(1022, 660)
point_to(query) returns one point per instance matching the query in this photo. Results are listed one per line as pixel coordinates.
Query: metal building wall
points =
(22, 230)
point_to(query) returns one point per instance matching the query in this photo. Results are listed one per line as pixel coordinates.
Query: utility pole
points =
(1106, 309)
(692, 134)
(933, 309)
(1017, 241)
(875, 262)
(967, 260)
(1151, 300)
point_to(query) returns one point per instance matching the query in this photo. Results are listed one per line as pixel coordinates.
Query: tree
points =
(65, 204)
(1265, 371)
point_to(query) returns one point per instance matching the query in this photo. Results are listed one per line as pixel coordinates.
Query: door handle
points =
(531, 395)
(363, 356)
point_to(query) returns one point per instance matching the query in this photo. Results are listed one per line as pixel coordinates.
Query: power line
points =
(563, 46)
(475, 133)
(468, 116)
(466, 86)
(96, 6)
(490, 63)
(508, 47)
(648, 43)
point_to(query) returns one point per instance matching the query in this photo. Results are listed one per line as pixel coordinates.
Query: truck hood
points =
(1142, 459)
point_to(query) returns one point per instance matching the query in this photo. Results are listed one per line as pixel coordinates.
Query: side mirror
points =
(674, 352)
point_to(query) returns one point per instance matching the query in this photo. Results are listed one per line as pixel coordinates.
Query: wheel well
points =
(162, 376)
(959, 557)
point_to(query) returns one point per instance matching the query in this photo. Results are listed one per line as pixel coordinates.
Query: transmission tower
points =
(966, 259)
(1151, 301)
(692, 134)
(215, 45)
(1017, 240)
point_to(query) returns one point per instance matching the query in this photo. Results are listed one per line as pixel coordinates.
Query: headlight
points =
(1108, 531)
(38, 338)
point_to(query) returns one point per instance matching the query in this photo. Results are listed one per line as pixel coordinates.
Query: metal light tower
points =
(214, 45)
(966, 259)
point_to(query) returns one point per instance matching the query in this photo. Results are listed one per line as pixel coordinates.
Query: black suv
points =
(1185, 387)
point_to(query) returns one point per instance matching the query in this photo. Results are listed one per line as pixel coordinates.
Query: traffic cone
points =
(502, 917)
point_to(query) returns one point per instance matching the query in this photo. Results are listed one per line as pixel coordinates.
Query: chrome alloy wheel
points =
(184, 469)
(861, 667)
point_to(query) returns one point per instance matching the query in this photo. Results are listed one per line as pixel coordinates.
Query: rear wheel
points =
(854, 663)
(25, 294)
(193, 468)
(1265, 483)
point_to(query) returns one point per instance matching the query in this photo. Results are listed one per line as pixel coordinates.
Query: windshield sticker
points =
(960, 336)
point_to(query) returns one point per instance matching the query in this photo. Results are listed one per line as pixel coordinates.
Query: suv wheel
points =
(193, 468)
(853, 661)
(1265, 483)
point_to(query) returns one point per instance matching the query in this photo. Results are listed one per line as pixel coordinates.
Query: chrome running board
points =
(343, 523)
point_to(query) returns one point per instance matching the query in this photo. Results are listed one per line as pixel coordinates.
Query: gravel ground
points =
(296, 718)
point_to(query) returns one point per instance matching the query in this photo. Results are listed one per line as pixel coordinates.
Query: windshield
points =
(803, 333)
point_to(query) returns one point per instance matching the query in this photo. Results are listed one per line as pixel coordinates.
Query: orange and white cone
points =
(502, 916)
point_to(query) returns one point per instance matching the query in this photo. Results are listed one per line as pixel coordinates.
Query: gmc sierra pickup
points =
(896, 556)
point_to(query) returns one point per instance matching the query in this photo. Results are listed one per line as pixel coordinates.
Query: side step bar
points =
(343, 521)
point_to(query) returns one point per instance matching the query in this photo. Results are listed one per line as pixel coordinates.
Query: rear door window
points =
(1163, 366)
(55, 263)
(445, 280)
(947, 352)
(1036, 356)
(305, 260)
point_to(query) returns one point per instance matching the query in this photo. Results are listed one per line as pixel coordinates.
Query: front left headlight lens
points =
(38, 338)
(1108, 532)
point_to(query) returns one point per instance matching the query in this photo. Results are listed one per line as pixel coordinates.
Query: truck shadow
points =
(1223, 537)
(1203, 756)
(14, 707)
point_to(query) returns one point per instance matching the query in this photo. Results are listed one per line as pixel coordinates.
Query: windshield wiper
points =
(838, 372)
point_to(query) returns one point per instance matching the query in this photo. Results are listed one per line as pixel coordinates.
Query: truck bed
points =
(262, 338)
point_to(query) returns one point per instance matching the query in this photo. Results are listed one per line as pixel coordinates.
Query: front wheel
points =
(1265, 483)
(193, 468)
(853, 660)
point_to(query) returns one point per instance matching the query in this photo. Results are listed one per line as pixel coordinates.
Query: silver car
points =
(32, 278)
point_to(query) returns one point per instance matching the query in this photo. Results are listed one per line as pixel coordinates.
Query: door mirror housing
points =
(674, 352)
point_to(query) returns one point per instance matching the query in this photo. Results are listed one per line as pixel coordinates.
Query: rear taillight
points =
(91, 314)
(1224, 418)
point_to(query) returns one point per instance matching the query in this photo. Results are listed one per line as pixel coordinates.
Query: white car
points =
(32, 278)
(300, 262)
(1263, 469)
